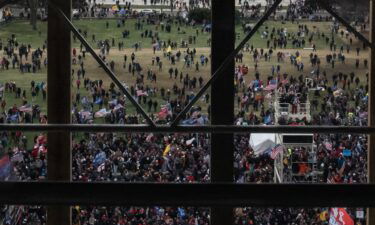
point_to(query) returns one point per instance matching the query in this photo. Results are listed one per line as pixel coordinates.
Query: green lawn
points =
(24, 34)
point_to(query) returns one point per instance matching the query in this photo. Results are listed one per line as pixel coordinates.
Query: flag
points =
(323, 216)
(339, 216)
(163, 113)
(19, 214)
(169, 49)
(181, 212)
(101, 113)
(17, 157)
(149, 137)
(101, 167)
(114, 8)
(4, 167)
(14, 117)
(117, 107)
(99, 101)
(84, 114)
(25, 108)
(189, 142)
(84, 101)
(141, 93)
(99, 159)
(267, 120)
(113, 102)
(270, 87)
(276, 150)
(167, 149)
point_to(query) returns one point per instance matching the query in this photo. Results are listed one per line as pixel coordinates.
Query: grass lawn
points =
(24, 34)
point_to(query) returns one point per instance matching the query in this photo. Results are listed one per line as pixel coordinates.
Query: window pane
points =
(300, 71)
(23, 97)
(141, 157)
(162, 61)
(316, 74)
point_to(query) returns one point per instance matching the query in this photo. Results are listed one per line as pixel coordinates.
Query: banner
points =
(360, 214)
(339, 216)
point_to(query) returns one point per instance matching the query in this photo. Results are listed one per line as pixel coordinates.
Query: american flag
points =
(276, 150)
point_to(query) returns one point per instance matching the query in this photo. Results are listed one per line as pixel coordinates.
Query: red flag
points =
(339, 216)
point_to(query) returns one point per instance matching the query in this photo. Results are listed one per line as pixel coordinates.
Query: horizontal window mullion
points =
(187, 128)
(214, 194)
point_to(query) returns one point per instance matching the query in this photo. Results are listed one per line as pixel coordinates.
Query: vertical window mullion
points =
(371, 109)
(59, 105)
(222, 101)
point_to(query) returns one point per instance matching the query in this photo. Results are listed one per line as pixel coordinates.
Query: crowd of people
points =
(336, 98)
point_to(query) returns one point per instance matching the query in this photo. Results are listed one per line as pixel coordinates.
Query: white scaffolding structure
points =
(287, 165)
(286, 110)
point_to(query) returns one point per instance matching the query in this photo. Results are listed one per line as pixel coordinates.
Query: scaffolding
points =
(287, 111)
(297, 163)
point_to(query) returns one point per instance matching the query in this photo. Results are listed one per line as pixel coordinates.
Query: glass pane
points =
(162, 61)
(23, 91)
(23, 99)
(316, 74)
(141, 157)
(23, 71)
(322, 63)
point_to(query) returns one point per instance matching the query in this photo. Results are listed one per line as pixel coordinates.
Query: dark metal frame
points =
(220, 196)
(203, 195)
(223, 129)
